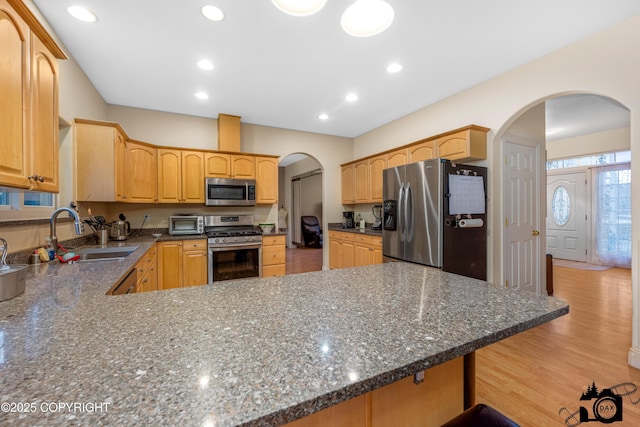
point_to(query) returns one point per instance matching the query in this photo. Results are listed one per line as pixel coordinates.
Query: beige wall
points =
(605, 64)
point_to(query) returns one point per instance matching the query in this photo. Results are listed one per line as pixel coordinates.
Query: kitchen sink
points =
(12, 279)
(104, 254)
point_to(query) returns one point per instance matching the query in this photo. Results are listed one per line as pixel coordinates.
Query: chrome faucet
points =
(5, 248)
(52, 225)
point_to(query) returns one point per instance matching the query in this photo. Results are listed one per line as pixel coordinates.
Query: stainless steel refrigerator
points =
(434, 213)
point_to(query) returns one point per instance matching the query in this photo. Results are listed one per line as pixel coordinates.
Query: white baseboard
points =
(634, 357)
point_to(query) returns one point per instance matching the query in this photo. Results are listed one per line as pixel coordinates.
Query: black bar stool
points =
(480, 415)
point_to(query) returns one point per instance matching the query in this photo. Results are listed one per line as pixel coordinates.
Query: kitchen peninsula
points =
(246, 352)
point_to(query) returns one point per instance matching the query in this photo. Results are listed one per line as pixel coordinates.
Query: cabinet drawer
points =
(273, 270)
(273, 240)
(190, 245)
(273, 255)
(341, 235)
(364, 239)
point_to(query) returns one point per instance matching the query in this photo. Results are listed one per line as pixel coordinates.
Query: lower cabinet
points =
(353, 250)
(147, 271)
(273, 255)
(432, 402)
(182, 263)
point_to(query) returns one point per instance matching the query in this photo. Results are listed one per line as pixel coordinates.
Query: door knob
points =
(535, 233)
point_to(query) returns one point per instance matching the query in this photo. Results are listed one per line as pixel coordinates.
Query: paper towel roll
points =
(470, 223)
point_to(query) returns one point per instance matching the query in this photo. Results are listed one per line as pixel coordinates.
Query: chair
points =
(311, 231)
(480, 415)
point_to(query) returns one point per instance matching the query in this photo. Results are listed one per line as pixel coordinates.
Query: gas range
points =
(231, 229)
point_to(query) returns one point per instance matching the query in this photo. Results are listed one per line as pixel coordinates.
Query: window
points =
(593, 160)
(23, 204)
(561, 206)
(612, 196)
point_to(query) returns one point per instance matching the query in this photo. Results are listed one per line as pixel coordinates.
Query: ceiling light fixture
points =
(352, 97)
(365, 18)
(299, 7)
(213, 13)
(202, 95)
(83, 14)
(394, 68)
(205, 64)
(323, 116)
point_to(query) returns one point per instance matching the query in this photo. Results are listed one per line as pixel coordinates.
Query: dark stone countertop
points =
(253, 352)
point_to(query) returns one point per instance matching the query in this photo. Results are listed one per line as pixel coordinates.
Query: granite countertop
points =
(367, 230)
(247, 352)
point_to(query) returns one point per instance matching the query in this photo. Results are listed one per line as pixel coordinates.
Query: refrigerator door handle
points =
(401, 224)
(408, 212)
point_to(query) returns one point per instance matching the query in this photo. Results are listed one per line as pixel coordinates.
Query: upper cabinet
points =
(29, 107)
(348, 184)
(180, 176)
(224, 165)
(141, 173)
(422, 151)
(362, 179)
(101, 167)
(466, 145)
(267, 180)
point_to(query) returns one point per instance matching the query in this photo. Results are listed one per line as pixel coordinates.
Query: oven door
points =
(235, 261)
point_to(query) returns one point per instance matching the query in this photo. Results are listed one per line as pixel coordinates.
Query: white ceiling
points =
(279, 70)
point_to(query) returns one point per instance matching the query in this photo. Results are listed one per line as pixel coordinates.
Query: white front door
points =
(566, 216)
(522, 216)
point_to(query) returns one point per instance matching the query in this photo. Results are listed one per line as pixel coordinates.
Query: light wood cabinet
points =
(180, 176)
(273, 255)
(14, 86)
(422, 151)
(397, 158)
(353, 250)
(266, 180)
(348, 180)
(141, 173)
(361, 182)
(101, 153)
(341, 249)
(29, 106)
(169, 264)
(43, 151)
(146, 269)
(466, 145)
(224, 165)
(367, 250)
(228, 132)
(432, 402)
(182, 263)
(376, 166)
(194, 262)
(192, 185)
(243, 167)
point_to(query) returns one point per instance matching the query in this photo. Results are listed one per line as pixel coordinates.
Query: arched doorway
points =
(523, 145)
(301, 184)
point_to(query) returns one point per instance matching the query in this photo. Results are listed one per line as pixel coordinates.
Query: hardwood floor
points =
(302, 260)
(531, 376)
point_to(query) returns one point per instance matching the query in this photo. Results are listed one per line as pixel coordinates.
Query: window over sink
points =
(18, 205)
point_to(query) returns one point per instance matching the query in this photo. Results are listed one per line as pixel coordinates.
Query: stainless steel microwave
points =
(186, 224)
(230, 192)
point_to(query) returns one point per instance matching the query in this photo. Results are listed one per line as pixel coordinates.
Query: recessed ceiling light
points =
(299, 7)
(394, 68)
(352, 97)
(82, 14)
(202, 95)
(213, 13)
(205, 64)
(366, 18)
(323, 116)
